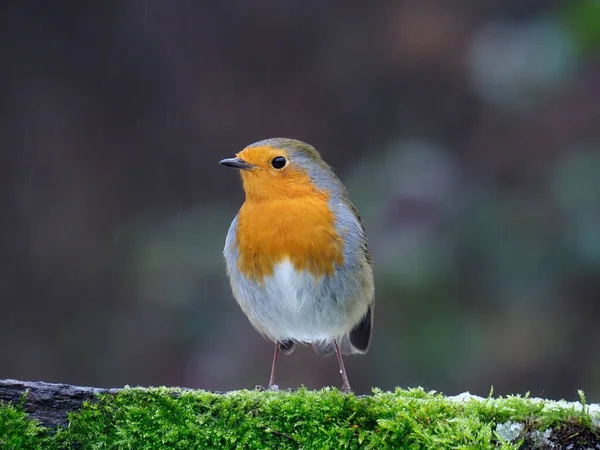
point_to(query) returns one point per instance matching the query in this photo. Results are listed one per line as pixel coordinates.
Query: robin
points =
(296, 253)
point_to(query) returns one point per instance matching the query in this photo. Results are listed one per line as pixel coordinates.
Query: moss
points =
(160, 418)
(17, 432)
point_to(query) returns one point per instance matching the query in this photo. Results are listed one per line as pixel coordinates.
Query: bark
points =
(48, 402)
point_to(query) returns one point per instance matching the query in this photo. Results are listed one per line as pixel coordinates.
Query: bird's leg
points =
(272, 385)
(346, 389)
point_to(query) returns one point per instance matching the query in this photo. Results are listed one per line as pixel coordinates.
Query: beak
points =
(236, 163)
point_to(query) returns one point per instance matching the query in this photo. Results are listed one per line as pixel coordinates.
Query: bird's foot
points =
(270, 387)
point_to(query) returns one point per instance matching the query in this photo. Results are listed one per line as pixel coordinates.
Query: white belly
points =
(298, 306)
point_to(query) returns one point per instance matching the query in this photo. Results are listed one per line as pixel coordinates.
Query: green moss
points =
(16, 432)
(160, 418)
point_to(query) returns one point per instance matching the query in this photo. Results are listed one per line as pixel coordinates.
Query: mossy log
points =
(66, 416)
(48, 402)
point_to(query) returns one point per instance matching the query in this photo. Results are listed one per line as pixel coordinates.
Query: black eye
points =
(278, 162)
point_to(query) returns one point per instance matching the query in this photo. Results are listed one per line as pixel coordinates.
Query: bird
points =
(296, 254)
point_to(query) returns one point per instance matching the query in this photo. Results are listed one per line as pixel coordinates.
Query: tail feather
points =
(360, 335)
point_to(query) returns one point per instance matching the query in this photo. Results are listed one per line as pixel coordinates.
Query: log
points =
(48, 402)
(205, 419)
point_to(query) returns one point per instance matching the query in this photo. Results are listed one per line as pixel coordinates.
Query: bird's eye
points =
(278, 162)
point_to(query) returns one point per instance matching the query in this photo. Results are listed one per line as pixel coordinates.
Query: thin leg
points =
(272, 384)
(346, 389)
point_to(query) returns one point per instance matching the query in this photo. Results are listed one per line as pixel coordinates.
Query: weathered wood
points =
(48, 402)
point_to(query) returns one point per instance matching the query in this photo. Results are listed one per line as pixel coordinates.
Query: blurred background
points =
(467, 133)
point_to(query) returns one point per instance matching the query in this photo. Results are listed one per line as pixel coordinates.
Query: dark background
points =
(467, 133)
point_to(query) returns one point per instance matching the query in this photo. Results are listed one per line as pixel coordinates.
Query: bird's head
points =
(282, 168)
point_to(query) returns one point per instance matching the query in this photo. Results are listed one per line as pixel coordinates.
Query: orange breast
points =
(301, 229)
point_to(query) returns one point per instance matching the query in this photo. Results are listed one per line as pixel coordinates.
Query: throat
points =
(301, 230)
